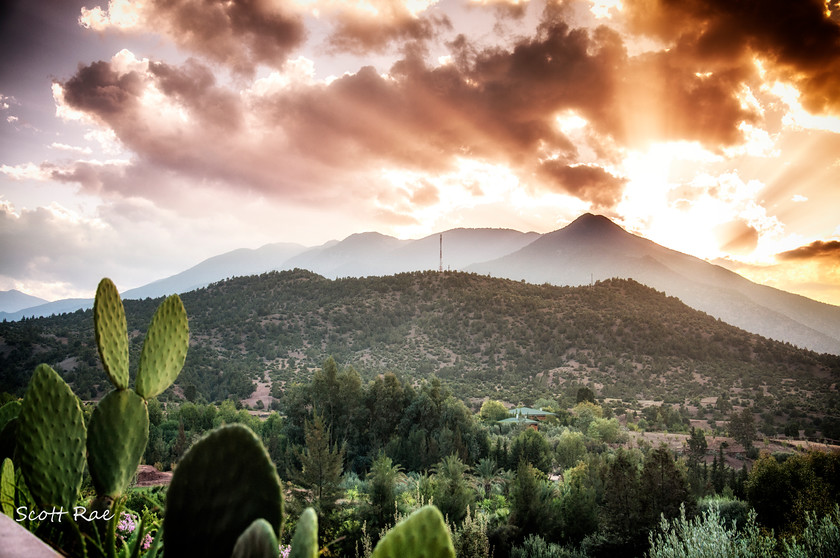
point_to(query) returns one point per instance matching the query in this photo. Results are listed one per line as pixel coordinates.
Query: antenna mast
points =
(440, 268)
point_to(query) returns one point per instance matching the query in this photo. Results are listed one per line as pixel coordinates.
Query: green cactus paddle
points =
(222, 484)
(420, 535)
(305, 541)
(164, 349)
(111, 333)
(117, 436)
(258, 541)
(51, 440)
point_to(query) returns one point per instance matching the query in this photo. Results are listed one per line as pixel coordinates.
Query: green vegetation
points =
(616, 342)
(375, 458)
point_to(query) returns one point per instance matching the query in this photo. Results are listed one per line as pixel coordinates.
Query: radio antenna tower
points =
(440, 268)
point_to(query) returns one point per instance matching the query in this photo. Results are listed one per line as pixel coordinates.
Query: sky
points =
(140, 138)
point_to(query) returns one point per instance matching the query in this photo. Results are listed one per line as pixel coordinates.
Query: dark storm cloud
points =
(819, 250)
(797, 40)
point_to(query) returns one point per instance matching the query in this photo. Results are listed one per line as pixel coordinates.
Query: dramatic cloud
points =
(488, 105)
(819, 249)
(797, 41)
(585, 182)
(374, 26)
(240, 34)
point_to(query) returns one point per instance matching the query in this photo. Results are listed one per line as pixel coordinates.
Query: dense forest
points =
(485, 337)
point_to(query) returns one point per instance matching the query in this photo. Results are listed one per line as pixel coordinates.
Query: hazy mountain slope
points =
(357, 255)
(461, 248)
(50, 308)
(230, 264)
(14, 300)
(594, 248)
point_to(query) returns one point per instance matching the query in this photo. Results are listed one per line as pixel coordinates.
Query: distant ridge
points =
(591, 248)
(14, 300)
(236, 263)
(594, 248)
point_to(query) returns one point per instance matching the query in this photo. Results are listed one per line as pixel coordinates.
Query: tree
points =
(322, 465)
(487, 474)
(697, 445)
(742, 427)
(382, 491)
(621, 510)
(708, 535)
(585, 394)
(585, 412)
(578, 511)
(527, 510)
(532, 447)
(492, 411)
(664, 487)
(570, 448)
(452, 493)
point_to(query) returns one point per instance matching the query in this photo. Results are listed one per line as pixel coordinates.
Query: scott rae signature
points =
(79, 514)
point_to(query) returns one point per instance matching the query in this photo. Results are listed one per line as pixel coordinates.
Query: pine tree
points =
(321, 466)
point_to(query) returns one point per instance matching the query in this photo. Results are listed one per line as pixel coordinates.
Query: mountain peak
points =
(590, 221)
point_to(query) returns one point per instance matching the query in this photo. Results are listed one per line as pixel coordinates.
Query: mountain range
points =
(589, 249)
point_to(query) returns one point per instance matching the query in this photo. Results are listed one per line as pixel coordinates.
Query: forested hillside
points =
(390, 392)
(485, 337)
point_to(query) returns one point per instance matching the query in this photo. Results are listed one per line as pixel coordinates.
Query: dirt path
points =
(149, 476)
(262, 393)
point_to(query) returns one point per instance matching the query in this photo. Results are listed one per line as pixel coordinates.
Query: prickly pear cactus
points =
(117, 436)
(258, 541)
(164, 349)
(223, 483)
(51, 440)
(422, 534)
(7, 488)
(8, 428)
(305, 541)
(111, 332)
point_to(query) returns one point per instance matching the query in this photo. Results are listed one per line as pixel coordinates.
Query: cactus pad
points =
(222, 484)
(111, 334)
(305, 541)
(8, 412)
(8, 428)
(258, 541)
(51, 440)
(7, 487)
(117, 436)
(420, 535)
(164, 349)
